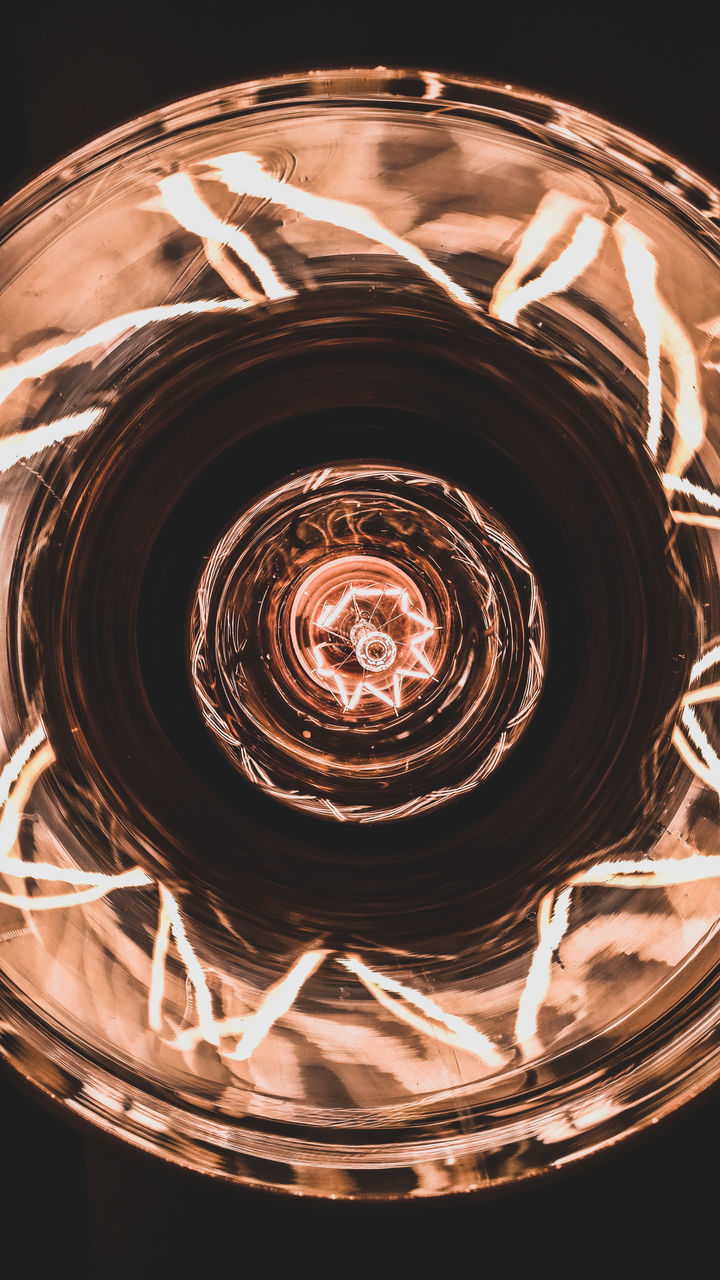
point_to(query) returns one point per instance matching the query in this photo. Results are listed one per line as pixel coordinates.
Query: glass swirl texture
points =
(360, 501)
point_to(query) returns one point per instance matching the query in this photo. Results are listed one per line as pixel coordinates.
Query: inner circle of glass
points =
(367, 643)
(360, 750)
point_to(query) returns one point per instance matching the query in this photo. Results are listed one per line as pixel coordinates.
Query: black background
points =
(90, 1205)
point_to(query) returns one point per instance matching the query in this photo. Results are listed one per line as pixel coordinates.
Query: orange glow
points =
(435, 1023)
(244, 174)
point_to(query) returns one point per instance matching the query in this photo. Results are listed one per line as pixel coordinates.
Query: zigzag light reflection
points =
(664, 337)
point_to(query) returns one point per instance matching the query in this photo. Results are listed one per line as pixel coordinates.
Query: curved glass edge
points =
(653, 1094)
(556, 120)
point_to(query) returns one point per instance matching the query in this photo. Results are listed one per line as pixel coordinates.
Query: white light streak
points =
(552, 927)
(433, 85)
(244, 174)
(28, 761)
(341, 689)
(641, 273)
(275, 1003)
(553, 216)
(380, 694)
(25, 444)
(689, 413)
(696, 518)
(53, 357)
(436, 1023)
(557, 276)
(189, 209)
(704, 663)
(203, 999)
(628, 873)
(701, 742)
(19, 759)
(133, 879)
(678, 484)
(708, 693)
(692, 761)
(156, 994)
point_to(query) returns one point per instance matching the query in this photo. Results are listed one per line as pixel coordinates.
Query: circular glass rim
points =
(671, 1070)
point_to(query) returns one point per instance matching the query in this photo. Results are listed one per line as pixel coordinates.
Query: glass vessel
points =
(361, 612)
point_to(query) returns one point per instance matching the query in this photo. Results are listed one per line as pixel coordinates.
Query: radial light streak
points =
(641, 274)
(552, 927)
(628, 873)
(696, 518)
(244, 174)
(156, 994)
(704, 663)
(433, 85)
(702, 745)
(708, 693)
(189, 209)
(678, 484)
(53, 357)
(436, 1023)
(692, 760)
(557, 276)
(19, 759)
(689, 413)
(227, 1028)
(17, 780)
(203, 999)
(276, 1002)
(552, 217)
(133, 879)
(25, 444)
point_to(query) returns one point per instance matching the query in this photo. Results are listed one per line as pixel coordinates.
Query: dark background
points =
(92, 1206)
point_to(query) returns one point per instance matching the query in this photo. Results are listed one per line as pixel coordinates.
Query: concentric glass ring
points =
(359, 466)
